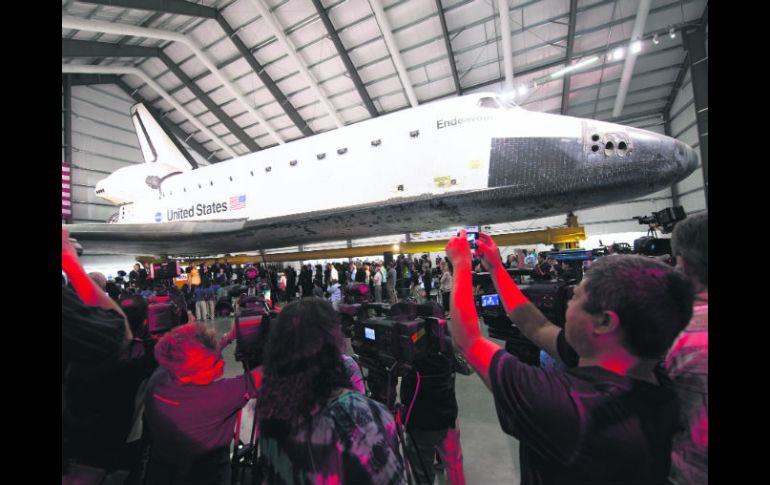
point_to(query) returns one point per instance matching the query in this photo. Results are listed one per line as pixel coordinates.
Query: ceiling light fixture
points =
(574, 67)
(655, 39)
(522, 90)
(618, 54)
(636, 47)
(672, 33)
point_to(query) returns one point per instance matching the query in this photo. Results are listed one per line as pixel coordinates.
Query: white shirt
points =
(335, 293)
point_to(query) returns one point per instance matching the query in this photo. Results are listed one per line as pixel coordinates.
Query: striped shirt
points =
(687, 363)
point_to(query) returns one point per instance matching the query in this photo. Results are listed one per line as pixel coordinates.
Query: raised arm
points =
(84, 286)
(464, 324)
(523, 313)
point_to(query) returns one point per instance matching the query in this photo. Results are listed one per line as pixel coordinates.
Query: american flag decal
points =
(66, 192)
(237, 202)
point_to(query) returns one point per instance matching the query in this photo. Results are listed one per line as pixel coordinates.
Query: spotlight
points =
(655, 39)
(522, 90)
(672, 33)
(636, 47)
(618, 54)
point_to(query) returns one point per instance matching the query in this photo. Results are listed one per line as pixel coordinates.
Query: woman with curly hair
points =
(314, 428)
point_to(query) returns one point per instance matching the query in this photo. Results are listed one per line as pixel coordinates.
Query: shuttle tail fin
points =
(156, 143)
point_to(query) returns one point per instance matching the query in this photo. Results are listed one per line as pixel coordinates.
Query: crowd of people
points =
(628, 403)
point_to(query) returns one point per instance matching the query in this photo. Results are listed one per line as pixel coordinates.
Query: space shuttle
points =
(474, 159)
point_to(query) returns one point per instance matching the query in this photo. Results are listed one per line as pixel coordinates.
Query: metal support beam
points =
(231, 125)
(677, 84)
(178, 7)
(560, 61)
(695, 43)
(505, 38)
(76, 23)
(274, 28)
(264, 77)
(172, 127)
(448, 44)
(87, 48)
(628, 67)
(343, 53)
(89, 79)
(395, 52)
(152, 18)
(568, 57)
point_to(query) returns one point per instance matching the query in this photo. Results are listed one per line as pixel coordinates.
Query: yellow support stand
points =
(556, 236)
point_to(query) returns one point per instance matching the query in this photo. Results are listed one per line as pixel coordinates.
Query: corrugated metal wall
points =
(103, 140)
(684, 127)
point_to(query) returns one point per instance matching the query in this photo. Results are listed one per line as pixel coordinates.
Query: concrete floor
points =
(489, 455)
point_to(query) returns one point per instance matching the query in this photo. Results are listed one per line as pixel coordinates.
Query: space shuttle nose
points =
(692, 159)
(687, 158)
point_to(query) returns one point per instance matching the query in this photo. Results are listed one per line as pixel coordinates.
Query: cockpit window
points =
(495, 102)
(489, 102)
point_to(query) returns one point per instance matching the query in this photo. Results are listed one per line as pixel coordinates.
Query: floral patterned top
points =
(352, 440)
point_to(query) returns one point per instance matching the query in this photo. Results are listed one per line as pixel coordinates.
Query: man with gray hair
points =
(687, 361)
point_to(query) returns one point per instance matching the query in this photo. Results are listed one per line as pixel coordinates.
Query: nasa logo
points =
(158, 217)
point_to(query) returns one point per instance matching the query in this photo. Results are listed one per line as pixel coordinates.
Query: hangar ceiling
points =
(231, 77)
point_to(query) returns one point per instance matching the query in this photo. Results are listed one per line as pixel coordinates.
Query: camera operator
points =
(391, 283)
(611, 419)
(544, 271)
(190, 411)
(433, 423)
(314, 427)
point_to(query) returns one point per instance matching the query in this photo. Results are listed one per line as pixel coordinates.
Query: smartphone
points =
(490, 300)
(472, 238)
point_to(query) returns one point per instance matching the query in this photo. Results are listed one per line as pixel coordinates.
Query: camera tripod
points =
(382, 388)
(246, 457)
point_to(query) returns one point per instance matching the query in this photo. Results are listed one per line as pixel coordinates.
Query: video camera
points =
(352, 312)
(652, 246)
(665, 219)
(549, 297)
(252, 326)
(392, 343)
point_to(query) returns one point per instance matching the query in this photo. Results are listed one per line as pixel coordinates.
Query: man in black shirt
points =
(138, 275)
(609, 420)
(94, 333)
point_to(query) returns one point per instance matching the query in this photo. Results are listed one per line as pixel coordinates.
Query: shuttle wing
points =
(206, 238)
(396, 216)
